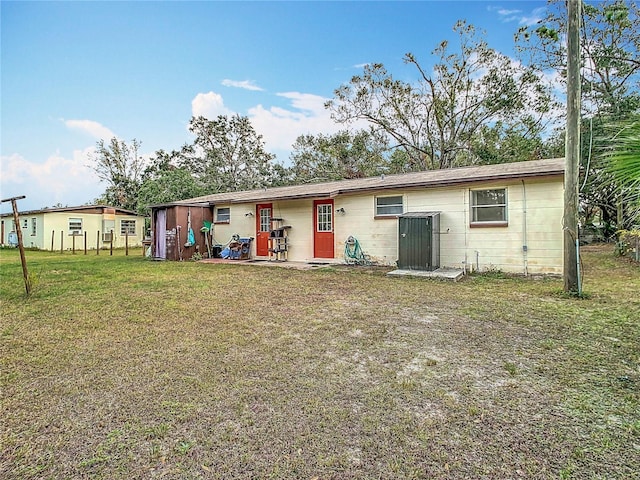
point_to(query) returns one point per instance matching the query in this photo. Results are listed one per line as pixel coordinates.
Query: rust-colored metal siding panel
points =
(177, 219)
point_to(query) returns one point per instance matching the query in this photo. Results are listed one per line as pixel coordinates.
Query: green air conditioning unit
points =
(419, 241)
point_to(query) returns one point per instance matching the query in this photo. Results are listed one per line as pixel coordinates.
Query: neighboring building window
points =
(75, 226)
(33, 227)
(127, 227)
(489, 206)
(108, 229)
(25, 223)
(389, 206)
(223, 214)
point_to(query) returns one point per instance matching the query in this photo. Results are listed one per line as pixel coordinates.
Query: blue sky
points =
(75, 72)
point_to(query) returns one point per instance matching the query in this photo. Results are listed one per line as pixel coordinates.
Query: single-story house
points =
(66, 227)
(506, 217)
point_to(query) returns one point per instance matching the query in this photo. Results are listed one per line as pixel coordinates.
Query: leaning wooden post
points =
(53, 233)
(61, 240)
(73, 243)
(111, 244)
(85, 242)
(98, 243)
(126, 243)
(23, 260)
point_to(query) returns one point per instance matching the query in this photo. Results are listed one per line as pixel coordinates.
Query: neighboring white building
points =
(56, 228)
(506, 217)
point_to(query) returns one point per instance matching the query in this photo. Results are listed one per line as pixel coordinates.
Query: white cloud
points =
(245, 84)
(278, 126)
(209, 105)
(89, 127)
(313, 104)
(68, 181)
(507, 13)
(533, 18)
(519, 16)
(281, 126)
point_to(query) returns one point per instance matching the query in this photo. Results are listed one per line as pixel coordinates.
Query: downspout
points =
(465, 222)
(525, 248)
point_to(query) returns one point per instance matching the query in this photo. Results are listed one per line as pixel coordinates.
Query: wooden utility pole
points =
(572, 150)
(23, 260)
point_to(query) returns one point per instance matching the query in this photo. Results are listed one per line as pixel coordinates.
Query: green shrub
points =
(628, 243)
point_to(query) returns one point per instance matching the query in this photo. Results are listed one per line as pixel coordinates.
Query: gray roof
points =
(430, 178)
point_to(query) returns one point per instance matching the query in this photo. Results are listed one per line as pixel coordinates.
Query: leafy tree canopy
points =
(120, 165)
(610, 47)
(227, 155)
(164, 182)
(610, 78)
(624, 167)
(344, 155)
(434, 120)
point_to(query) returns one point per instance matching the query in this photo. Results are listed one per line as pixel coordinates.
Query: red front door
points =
(263, 228)
(323, 229)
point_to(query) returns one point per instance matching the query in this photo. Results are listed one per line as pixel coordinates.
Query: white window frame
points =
(221, 216)
(399, 206)
(475, 209)
(34, 227)
(73, 226)
(265, 219)
(127, 227)
(25, 223)
(324, 215)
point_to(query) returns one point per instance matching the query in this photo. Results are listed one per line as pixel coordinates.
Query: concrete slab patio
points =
(452, 274)
(273, 263)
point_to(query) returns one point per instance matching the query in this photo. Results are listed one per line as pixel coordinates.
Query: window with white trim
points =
(389, 206)
(489, 206)
(324, 216)
(223, 214)
(75, 226)
(34, 226)
(127, 227)
(25, 223)
(265, 219)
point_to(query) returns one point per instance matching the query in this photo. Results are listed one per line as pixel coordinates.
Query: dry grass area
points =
(121, 368)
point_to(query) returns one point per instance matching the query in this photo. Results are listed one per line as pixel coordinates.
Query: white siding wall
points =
(296, 213)
(28, 238)
(245, 226)
(481, 247)
(299, 215)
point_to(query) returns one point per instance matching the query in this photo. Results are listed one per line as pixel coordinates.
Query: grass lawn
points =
(120, 368)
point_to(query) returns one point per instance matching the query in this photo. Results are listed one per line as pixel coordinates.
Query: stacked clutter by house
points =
(239, 248)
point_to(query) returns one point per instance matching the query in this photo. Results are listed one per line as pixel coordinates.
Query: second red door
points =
(323, 229)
